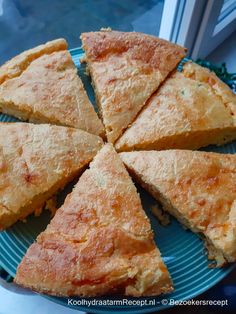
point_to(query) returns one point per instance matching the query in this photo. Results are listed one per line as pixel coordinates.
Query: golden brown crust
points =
(198, 188)
(192, 109)
(35, 162)
(18, 64)
(126, 69)
(149, 50)
(41, 85)
(203, 75)
(99, 242)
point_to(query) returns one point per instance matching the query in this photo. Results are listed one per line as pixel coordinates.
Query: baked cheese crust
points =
(126, 68)
(41, 85)
(35, 162)
(192, 109)
(198, 188)
(99, 242)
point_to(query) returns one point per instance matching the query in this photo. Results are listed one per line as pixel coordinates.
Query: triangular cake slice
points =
(192, 109)
(41, 85)
(35, 162)
(126, 69)
(198, 188)
(99, 242)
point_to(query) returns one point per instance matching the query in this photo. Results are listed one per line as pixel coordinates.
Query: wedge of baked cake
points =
(41, 85)
(198, 188)
(99, 242)
(192, 109)
(35, 162)
(126, 69)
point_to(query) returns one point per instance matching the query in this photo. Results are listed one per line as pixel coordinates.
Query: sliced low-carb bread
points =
(198, 188)
(126, 69)
(41, 85)
(35, 162)
(192, 109)
(99, 242)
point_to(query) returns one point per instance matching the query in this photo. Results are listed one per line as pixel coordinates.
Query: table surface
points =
(11, 301)
(28, 302)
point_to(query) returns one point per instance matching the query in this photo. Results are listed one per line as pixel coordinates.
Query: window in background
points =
(27, 23)
(199, 25)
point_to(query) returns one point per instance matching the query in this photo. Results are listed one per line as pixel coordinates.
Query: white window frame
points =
(196, 24)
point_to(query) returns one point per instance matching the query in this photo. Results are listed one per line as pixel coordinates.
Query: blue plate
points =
(182, 251)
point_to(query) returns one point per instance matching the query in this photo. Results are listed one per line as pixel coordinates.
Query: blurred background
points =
(206, 27)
